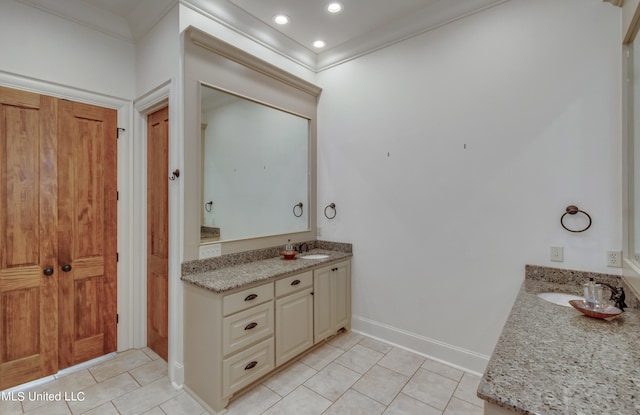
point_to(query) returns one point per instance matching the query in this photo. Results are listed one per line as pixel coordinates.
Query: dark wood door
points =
(157, 232)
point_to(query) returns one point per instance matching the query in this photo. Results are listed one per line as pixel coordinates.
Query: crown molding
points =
(143, 18)
(213, 44)
(431, 17)
(86, 15)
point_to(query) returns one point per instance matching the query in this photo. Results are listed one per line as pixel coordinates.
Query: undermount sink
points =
(559, 298)
(314, 256)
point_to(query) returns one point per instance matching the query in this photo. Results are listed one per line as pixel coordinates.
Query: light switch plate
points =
(557, 253)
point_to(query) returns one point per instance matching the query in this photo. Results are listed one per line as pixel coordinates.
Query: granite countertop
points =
(236, 276)
(551, 359)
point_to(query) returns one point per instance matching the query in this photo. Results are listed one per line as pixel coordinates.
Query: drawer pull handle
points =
(251, 365)
(251, 297)
(295, 282)
(251, 326)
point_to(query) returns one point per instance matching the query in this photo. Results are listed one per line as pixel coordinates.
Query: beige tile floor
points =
(349, 375)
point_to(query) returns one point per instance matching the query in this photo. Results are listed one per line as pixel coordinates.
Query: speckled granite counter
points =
(551, 359)
(228, 277)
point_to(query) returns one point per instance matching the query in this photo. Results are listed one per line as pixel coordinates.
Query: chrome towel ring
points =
(298, 206)
(572, 210)
(330, 207)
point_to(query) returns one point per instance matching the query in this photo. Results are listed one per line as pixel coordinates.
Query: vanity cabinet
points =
(236, 337)
(332, 299)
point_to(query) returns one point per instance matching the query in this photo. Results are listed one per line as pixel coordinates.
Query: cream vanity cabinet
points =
(332, 299)
(232, 339)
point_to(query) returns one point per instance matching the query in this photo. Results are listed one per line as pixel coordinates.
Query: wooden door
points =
(28, 241)
(87, 206)
(157, 232)
(57, 234)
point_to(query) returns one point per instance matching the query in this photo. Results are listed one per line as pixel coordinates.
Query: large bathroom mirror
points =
(255, 168)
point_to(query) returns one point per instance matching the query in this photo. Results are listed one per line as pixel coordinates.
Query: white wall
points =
(441, 232)
(38, 45)
(158, 54)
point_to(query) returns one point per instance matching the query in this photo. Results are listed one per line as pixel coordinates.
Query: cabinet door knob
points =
(66, 267)
(251, 365)
(251, 297)
(251, 326)
(48, 271)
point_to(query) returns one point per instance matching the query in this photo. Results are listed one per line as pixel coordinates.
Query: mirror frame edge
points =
(631, 26)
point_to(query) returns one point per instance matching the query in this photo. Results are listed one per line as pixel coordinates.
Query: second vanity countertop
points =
(551, 359)
(236, 276)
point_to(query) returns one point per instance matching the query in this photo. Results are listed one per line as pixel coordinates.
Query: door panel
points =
(86, 232)
(28, 214)
(157, 231)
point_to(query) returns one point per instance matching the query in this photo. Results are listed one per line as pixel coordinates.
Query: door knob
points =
(66, 267)
(48, 271)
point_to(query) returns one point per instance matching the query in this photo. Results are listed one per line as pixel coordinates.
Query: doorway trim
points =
(125, 190)
(161, 96)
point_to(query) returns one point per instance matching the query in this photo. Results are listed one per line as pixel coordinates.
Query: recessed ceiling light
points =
(334, 7)
(281, 19)
(319, 44)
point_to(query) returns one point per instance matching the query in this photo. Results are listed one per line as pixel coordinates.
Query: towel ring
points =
(572, 210)
(331, 206)
(298, 205)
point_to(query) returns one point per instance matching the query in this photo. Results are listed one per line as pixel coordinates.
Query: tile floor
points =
(349, 375)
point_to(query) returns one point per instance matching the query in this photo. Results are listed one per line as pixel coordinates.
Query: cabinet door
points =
(322, 315)
(342, 296)
(294, 325)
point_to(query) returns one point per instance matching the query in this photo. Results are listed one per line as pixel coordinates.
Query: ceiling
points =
(362, 27)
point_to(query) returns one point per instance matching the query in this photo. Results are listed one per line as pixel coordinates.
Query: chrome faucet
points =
(617, 295)
(303, 247)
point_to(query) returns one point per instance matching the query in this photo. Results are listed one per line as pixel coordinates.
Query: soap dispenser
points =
(593, 294)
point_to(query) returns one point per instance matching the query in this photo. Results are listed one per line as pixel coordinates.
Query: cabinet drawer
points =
(247, 327)
(244, 299)
(245, 367)
(294, 283)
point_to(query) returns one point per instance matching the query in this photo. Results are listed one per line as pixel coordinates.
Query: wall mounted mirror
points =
(255, 168)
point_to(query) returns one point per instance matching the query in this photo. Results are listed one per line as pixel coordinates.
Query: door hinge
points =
(117, 318)
(117, 195)
(118, 131)
(117, 256)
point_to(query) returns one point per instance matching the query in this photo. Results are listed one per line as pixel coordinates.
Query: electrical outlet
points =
(614, 259)
(210, 251)
(557, 253)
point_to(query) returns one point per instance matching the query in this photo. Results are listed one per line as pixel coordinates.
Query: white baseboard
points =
(466, 360)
